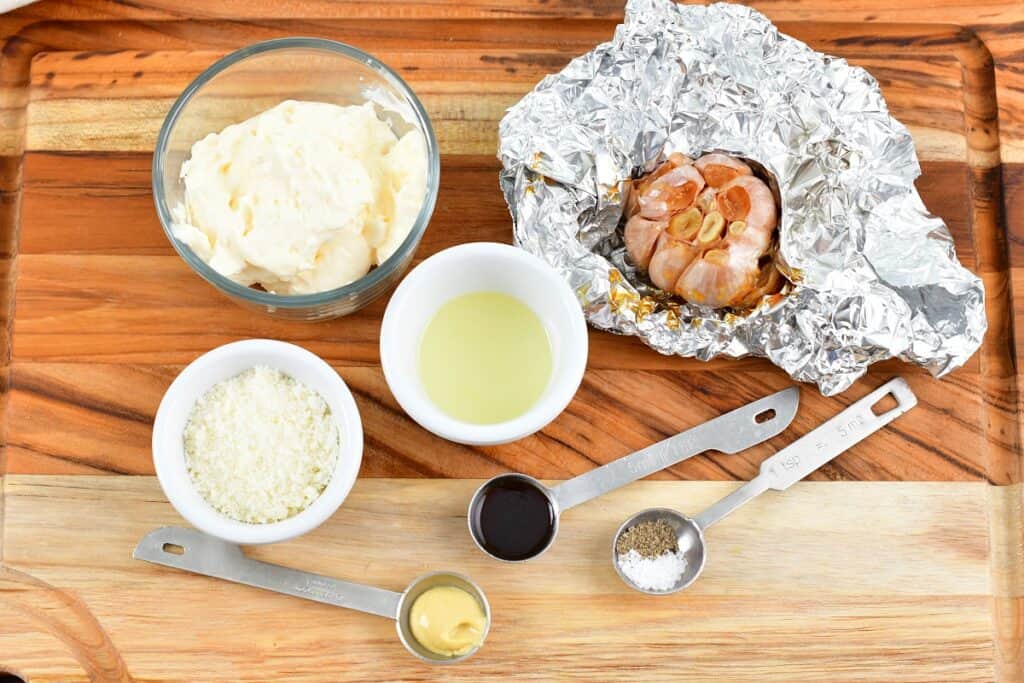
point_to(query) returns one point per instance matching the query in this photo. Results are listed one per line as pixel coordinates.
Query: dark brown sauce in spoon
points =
(513, 520)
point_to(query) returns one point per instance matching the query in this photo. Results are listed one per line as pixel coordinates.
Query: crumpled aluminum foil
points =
(875, 275)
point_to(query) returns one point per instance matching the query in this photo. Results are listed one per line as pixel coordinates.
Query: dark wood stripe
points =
(77, 399)
(103, 466)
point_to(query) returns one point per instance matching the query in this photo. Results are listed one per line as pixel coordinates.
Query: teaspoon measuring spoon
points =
(778, 473)
(198, 553)
(732, 432)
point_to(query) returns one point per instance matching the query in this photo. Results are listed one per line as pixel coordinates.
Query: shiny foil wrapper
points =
(873, 274)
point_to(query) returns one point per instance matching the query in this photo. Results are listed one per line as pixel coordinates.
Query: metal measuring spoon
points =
(729, 433)
(198, 553)
(778, 473)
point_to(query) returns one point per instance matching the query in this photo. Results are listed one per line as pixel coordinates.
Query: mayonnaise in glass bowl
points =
(255, 79)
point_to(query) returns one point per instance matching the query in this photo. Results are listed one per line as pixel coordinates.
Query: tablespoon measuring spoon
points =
(198, 553)
(533, 511)
(778, 473)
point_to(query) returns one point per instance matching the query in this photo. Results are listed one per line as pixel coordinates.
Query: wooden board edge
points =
(1000, 373)
(3, 509)
(1006, 564)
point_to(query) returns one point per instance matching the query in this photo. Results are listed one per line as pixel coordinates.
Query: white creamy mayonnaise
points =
(302, 198)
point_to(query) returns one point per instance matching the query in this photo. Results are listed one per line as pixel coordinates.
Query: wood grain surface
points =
(136, 304)
(864, 581)
(99, 314)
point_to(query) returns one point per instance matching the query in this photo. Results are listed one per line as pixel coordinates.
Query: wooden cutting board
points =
(902, 561)
(862, 582)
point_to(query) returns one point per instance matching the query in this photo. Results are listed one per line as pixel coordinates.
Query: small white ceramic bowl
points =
(220, 364)
(475, 267)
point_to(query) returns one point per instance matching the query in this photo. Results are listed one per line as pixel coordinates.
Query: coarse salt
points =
(261, 446)
(659, 573)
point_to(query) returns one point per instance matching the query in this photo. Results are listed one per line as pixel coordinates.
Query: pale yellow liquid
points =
(485, 358)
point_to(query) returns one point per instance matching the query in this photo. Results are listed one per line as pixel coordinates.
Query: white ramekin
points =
(216, 366)
(474, 267)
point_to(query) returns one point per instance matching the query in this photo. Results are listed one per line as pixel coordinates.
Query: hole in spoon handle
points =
(811, 451)
(730, 432)
(209, 556)
(833, 437)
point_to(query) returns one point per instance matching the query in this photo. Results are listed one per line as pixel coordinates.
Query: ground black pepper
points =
(650, 539)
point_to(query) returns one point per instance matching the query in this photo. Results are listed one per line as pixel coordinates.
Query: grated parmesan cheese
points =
(261, 446)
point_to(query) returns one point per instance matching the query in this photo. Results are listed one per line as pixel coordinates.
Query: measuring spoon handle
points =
(209, 556)
(816, 448)
(732, 432)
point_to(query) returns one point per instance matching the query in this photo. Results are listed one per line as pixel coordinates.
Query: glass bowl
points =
(256, 78)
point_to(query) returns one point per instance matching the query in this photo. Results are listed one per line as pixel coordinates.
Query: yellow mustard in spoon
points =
(448, 621)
